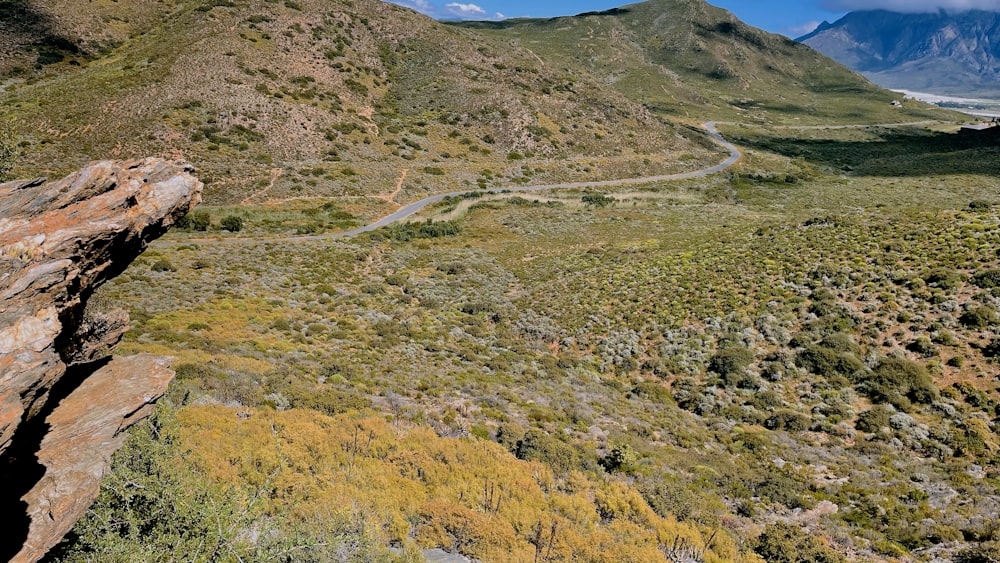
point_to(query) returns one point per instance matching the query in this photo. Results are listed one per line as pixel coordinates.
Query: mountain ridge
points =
(942, 53)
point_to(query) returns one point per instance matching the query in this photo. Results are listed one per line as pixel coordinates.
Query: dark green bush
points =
(787, 543)
(232, 223)
(899, 382)
(828, 363)
(979, 317)
(787, 420)
(731, 361)
(195, 221)
(987, 279)
(874, 419)
(841, 342)
(600, 200)
(539, 446)
(163, 265)
(944, 278)
(923, 346)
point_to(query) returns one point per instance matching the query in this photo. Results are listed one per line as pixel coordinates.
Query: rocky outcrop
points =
(63, 403)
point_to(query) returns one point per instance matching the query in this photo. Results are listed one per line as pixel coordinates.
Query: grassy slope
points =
(596, 328)
(339, 101)
(576, 335)
(312, 100)
(686, 59)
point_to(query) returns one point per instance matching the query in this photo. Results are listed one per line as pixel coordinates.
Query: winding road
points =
(413, 208)
(416, 206)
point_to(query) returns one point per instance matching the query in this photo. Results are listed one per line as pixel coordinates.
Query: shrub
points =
(874, 419)
(987, 279)
(898, 381)
(163, 265)
(787, 420)
(828, 363)
(978, 317)
(841, 342)
(923, 346)
(787, 543)
(8, 149)
(600, 200)
(943, 278)
(730, 361)
(232, 223)
(992, 350)
(539, 446)
(620, 458)
(195, 221)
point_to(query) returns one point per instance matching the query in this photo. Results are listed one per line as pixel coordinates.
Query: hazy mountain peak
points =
(945, 52)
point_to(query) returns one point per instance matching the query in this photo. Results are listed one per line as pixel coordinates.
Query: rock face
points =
(63, 404)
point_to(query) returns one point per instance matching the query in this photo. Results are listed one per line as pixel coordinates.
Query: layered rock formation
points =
(63, 402)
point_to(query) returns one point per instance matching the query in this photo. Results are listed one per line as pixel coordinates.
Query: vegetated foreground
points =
(794, 362)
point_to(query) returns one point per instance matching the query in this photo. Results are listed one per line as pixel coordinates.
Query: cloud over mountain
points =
(913, 6)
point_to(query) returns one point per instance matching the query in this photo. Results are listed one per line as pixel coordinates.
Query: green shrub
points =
(841, 342)
(232, 223)
(874, 419)
(944, 278)
(621, 458)
(539, 446)
(731, 361)
(8, 149)
(787, 543)
(987, 279)
(898, 382)
(600, 200)
(163, 265)
(787, 420)
(195, 221)
(923, 346)
(828, 363)
(979, 317)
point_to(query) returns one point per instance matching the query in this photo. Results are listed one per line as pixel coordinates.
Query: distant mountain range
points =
(942, 53)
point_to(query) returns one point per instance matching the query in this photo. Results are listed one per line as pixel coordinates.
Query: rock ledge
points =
(64, 404)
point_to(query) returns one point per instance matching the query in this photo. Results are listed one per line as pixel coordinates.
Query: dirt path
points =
(275, 174)
(391, 198)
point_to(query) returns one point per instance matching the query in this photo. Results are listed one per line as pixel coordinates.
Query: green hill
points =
(274, 101)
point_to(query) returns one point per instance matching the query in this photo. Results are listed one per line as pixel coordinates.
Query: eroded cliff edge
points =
(64, 403)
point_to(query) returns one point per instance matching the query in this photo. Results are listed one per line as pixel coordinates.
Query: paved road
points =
(416, 206)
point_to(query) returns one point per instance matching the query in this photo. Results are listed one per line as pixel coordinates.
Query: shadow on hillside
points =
(895, 152)
(32, 26)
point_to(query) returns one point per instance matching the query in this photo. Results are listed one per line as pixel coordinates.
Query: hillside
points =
(685, 59)
(274, 101)
(795, 360)
(338, 99)
(942, 52)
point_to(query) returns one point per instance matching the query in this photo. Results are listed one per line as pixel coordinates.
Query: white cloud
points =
(465, 10)
(913, 6)
(802, 29)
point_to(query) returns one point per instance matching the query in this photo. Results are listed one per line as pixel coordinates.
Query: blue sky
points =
(790, 17)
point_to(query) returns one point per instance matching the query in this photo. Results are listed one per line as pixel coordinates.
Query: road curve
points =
(412, 208)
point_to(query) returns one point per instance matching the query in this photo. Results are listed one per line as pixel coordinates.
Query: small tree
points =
(232, 223)
(196, 221)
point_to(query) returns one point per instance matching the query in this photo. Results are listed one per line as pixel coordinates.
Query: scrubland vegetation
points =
(793, 360)
(790, 362)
